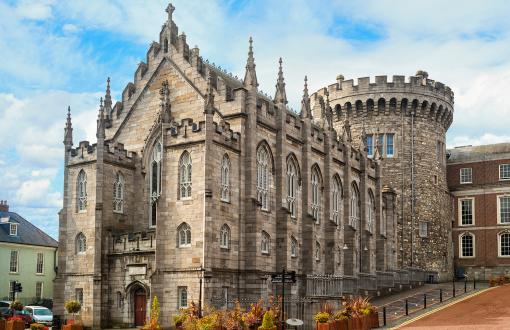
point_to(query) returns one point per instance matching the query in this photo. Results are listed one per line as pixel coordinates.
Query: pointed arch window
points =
(317, 251)
(354, 207)
(293, 247)
(263, 176)
(155, 182)
(80, 243)
(184, 237)
(118, 193)
(370, 212)
(185, 175)
(265, 243)
(316, 195)
(225, 237)
(336, 200)
(225, 179)
(292, 184)
(82, 191)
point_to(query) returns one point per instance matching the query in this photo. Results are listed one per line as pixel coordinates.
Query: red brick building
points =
(479, 181)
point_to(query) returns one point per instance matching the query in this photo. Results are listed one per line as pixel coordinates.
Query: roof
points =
(479, 153)
(27, 233)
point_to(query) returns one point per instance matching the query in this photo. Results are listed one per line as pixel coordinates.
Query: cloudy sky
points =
(59, 53)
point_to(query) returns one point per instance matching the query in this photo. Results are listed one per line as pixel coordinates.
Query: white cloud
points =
(465, 140)
(34, 10)
(70, 28)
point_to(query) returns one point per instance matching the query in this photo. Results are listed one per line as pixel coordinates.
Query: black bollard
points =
(407, 308)
(424, 300)
(440, 295)
(453, 288)
(384, 315)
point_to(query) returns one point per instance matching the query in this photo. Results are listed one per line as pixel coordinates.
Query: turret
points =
(100, 134)
(280, 96)
(306, 111)
(250, 77)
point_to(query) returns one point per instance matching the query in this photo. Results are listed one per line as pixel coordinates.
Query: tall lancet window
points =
(292, 184)
(155, 182)
(118, 193)
(263, 176)
(81, 186)
(370, 212)
(225, 179)
(316, 195)
(355, 207)
(185, 175)
(336, 200)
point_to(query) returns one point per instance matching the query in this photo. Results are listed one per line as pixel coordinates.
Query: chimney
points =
(4, 207)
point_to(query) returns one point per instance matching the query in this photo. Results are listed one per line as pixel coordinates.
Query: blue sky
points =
(59, 53)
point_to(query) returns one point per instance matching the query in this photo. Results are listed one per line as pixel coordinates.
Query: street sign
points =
(289, 277)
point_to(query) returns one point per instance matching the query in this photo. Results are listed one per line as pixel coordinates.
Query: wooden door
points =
(140, 306)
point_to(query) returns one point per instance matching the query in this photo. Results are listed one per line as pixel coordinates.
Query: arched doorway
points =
(139, 306)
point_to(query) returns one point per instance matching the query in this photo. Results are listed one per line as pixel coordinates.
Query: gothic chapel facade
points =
(196, 174)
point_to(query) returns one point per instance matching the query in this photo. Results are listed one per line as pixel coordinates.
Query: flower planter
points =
(374, 320)
(73, 326)
(272, 328)
(3, 324)
(341, 324)
(15, 325)
(350, 324)
(356, 323)
(322, 326)
(365, 322)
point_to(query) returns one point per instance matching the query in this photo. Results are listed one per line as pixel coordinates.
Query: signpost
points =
(16, 288)
(283, 278)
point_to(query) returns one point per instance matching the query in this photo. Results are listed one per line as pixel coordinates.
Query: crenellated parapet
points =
(423, 97)
(114, 153)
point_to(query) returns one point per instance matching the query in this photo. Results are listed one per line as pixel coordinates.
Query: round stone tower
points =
(404, 123)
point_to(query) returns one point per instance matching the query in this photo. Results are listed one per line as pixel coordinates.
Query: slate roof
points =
(479, 153)
(27, 233)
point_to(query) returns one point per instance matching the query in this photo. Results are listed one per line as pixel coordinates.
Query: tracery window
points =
(155, 182)
(265, 243)
(185, 175)
(370, 212)
(336, 200)
(225, 237)
(293, 247)
(82, 191)
(81, 243)
(355, 207)
(316, 195)
(118, 193)
(263, 176)
(292, 184)
(184, 237)
(225, 179)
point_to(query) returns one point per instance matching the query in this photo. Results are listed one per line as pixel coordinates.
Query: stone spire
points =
(100, 134)
(108, 99)
(209, 97)
(68, 130)
(328, 112)
(250, 78)
(306, 111)
(280, 95)
(170, 10)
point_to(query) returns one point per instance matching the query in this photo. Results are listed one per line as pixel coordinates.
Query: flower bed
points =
(356, 314)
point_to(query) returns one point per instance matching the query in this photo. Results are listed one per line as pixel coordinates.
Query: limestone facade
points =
(219, 182)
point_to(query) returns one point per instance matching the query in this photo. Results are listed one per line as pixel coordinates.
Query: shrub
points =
(254, 316)
(72, 306)
(152, 323)
(267, 322)
(37, 326)
(321, 317)
(17, 305)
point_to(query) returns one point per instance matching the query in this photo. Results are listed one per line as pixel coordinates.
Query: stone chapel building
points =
(197, 175)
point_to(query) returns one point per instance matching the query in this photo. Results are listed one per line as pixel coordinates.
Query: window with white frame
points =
(38, 290)
(370, 144)
(317, 251)
(182, 292)
(40, 263)
(80, 243)
(263, 176)
(185, 175)
(118, 193)
(13, 229)
(184, 237)
(466, 175)
(504, 172)
(316, 195)
(504, 244)
(390, 145)
(82, 191)
(13, 266)
(78, 295)
(225, 237)
(155, 182)
(504, 209)
(423, 230)
(466, 211)
(265, 243)
(354, 207)
(292, 184)
(293, 247)
(225, 179)
(467, 245)
(370, 212)
(336, 199)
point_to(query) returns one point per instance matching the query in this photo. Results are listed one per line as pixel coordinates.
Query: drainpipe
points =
(412, 188)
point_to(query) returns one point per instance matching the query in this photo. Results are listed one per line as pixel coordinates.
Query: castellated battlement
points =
(134, 242)
(115, 152)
